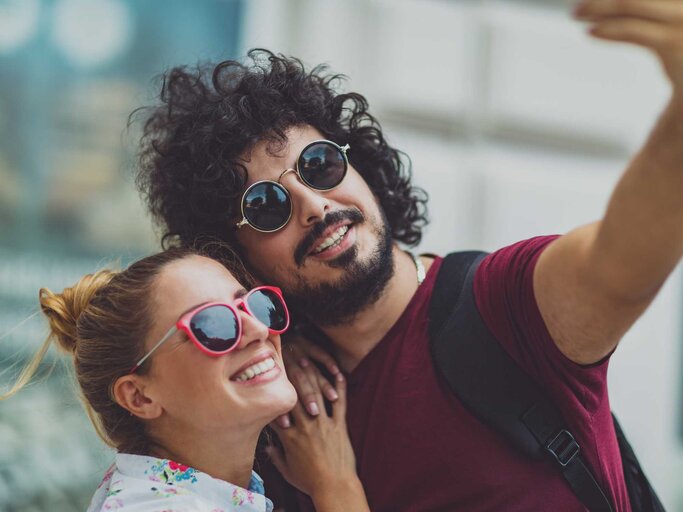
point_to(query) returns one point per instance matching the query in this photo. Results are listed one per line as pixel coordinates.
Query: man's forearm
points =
(640, 240)
(593, 283)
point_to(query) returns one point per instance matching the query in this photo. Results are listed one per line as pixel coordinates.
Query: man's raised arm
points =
(593, 283)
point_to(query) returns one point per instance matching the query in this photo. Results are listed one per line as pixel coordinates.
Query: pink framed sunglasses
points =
(215, 328)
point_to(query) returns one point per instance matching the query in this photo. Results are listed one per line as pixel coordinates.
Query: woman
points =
(180, 370)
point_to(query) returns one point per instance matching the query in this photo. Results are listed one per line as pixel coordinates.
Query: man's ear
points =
(129, 393)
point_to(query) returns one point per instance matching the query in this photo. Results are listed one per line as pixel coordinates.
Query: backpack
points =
(496, 390)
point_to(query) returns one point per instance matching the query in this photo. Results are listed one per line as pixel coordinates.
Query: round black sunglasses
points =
(266, 204)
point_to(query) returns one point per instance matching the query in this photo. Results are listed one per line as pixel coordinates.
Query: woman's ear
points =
(129, 393)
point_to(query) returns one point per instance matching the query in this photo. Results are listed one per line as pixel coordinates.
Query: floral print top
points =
(137, 483)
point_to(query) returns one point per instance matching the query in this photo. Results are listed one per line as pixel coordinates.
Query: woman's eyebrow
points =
(191, 308)
(238, 294)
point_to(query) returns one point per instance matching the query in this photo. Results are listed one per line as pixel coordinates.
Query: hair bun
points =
(64, 309)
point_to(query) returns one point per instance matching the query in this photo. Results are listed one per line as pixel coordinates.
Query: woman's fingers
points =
(321, 356)
(325, 385)
(291, 349)
(299, 416)
(305, 382)
(299, 354)
(339, 407)
(283, 421)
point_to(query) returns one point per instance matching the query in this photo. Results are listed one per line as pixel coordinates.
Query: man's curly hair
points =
(190, 173)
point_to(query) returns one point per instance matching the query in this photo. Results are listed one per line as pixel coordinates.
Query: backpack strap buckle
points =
(563, 447)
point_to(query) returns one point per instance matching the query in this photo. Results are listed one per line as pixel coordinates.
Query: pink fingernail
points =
(304, 362)
(340, 377)
(335, 369)
(332, 394)
(284, 422)
(313, 408)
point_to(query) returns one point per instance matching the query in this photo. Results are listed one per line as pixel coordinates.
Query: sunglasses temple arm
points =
(170, 333)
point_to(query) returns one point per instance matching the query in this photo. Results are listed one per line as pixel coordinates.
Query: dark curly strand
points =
(190, 172)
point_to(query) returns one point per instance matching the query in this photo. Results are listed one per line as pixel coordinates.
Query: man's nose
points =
(308, 205)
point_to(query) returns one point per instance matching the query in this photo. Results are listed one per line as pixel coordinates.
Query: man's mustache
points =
(352, 214)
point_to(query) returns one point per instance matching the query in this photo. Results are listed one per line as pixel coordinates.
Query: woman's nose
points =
(252, 328)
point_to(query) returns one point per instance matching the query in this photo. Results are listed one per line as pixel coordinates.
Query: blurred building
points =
(71, 71)
(516, 122)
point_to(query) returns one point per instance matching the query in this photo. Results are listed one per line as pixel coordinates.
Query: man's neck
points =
(353, 340)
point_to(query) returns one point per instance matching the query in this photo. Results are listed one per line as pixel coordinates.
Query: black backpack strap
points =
(493, 387)
(448, 287)
(641, 494)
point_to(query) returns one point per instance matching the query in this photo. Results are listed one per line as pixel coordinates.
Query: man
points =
(256, 155)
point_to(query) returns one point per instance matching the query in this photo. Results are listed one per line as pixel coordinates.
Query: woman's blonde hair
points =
(102, 322)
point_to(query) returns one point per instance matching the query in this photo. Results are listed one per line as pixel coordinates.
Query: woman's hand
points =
(317, 457)
(308, 381)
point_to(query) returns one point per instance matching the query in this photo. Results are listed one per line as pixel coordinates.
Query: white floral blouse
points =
(136, 483)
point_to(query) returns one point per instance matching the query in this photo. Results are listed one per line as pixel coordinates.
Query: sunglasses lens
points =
(216, 328)
(322, 165)
(267, 206)
(269, 309)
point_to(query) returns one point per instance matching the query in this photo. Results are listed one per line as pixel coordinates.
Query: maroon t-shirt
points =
(418, 449)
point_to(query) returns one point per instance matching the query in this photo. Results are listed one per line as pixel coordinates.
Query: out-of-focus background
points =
(517, 124)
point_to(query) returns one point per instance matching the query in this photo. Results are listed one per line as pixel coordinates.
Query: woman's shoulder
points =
(143, 484)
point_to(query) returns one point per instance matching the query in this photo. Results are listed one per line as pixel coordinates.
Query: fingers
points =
(323, 357)
(654, 24)
(291, 352)
(283, 421)
(629, 30)
(300, 418)
(300, 415)
(339, 407)
(325, 386)
(666, 11)
(301, 352)
(307, 387)
(308, 381)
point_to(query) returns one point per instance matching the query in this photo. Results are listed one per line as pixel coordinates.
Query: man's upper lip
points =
(328, 232)
(261, 356)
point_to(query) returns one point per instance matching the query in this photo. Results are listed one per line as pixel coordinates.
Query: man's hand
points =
(298, 354)
(653, 24)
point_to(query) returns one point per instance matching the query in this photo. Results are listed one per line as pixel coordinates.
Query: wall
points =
(517, 124)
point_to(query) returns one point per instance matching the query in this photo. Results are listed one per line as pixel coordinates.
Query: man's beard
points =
(330, 304)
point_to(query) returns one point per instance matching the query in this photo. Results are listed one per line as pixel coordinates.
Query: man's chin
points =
(350, 283)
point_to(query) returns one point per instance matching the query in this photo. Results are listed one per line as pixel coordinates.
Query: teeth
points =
(256, 369)
(333, 239)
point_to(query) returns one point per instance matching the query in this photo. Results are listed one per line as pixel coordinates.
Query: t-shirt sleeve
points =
(504, 293)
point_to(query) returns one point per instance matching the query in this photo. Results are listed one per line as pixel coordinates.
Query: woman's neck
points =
(226, 455)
